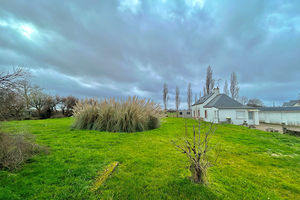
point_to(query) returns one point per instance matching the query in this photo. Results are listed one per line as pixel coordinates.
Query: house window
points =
(205, 113)
(194, 114)
(215, 114)
(250, 115)
(180, 113)
(188, 113)
(240, 115)
(198, 112)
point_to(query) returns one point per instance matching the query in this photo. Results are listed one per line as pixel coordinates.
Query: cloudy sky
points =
(131, 47)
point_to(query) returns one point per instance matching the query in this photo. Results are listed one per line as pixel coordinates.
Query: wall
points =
(185, 113)
(278, 117)
(224, 113)
(212, 115)
(232, 113)
(256, 117)
(219, 115)
(200, 107)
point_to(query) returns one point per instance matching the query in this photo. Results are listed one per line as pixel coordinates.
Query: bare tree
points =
(204, 91)
(38, 99)
(225, 90)
(69, 103)
(62, 104)
(212, 85)
(165, 95)
(189, 96)
(168, 97)
(25, 89)
(57, 100)
(255, 103)
(11, 80)
(49, 107)
(209, 84)
(177, 100)
(244, 100)
(197, 150)
(234, 88)
(11, 102)
(219, 82)
(11, 105)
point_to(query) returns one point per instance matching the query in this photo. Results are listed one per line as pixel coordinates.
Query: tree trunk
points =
(197, 175)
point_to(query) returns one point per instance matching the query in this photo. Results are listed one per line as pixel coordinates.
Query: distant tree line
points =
(19, 99)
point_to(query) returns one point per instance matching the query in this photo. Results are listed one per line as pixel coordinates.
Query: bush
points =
(128, 115)
(197, 148)
(15, 149)
(12, 105)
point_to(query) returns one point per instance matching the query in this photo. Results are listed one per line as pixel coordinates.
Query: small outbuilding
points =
(185, 113)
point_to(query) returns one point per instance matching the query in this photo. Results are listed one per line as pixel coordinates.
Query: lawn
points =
(253, 165)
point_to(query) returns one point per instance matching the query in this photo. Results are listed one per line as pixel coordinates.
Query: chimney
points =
(216, 90)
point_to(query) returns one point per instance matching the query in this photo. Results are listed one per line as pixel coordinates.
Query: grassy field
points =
(253, 165)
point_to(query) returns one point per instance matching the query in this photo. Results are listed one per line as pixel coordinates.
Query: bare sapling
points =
(197, 149)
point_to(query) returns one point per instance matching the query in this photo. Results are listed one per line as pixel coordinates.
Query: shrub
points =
(67, 104)
(128, 115)
(197, 148)
(15, 149)
(12, 105)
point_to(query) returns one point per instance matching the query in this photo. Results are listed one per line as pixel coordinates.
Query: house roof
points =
(203, 99)
(224, 101)
(290, 103)
(289, 108)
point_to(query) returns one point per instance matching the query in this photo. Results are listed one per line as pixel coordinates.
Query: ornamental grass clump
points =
(130, 115)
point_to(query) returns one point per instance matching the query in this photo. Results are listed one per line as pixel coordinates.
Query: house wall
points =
(212, 115)
(278, 117)
(224, 113)
(256, 115)
(232, 113)
(199, 107)
(220, 115)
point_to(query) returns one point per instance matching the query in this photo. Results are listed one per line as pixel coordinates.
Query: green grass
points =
(171, 114)
(253, 165)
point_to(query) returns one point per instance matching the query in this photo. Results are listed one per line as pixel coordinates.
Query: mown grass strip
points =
(104, 175)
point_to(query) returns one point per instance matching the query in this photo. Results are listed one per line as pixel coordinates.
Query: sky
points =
(117, 48)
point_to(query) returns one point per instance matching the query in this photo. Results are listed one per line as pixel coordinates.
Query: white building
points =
(278, 115)
(185, 113)
(216, 107)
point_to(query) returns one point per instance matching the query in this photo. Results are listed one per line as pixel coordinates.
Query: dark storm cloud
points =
(120, 48)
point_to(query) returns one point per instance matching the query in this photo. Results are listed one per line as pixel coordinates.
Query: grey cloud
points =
(123, 52)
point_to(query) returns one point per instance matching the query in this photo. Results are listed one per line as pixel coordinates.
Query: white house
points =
(216, 107)
(277, 115)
